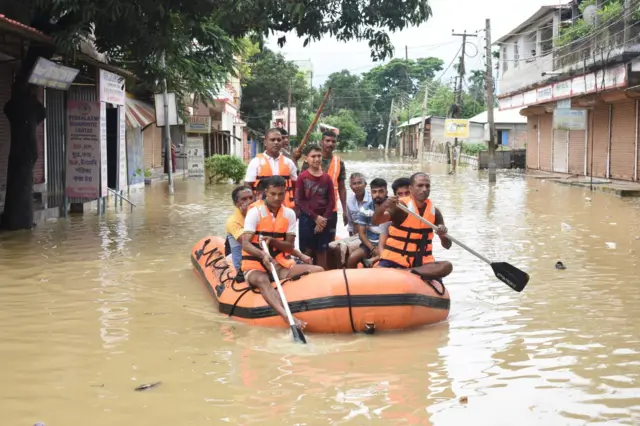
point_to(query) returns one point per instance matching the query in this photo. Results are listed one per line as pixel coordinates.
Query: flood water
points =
(91, 308)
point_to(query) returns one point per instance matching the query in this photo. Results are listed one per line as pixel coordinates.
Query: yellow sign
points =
(456, 128)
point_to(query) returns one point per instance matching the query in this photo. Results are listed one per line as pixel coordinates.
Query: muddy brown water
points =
(92, 308)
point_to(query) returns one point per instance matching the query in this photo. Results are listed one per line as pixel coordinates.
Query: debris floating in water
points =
(611, 245)
(566, 227)
(560, 265)
(147, 386)
(463, 400)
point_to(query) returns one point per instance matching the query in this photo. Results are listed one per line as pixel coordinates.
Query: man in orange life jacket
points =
(270, 221)
(409, 243)
(272, 163)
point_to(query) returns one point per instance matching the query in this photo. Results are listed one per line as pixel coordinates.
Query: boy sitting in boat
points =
(242, 197)
(369, 234)
(315, 198)
(409, 243)
(270, 221)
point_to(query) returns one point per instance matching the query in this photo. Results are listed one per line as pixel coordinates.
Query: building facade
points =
(579, 93)
(434, 136)
(510, 125)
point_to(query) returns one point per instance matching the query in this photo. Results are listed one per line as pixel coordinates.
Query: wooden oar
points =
(505, 272)
(298, 336)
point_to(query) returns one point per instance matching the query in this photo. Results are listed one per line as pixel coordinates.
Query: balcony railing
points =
(599, 46)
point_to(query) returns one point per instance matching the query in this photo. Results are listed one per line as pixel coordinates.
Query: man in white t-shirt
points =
(272, 163)
(270, 221)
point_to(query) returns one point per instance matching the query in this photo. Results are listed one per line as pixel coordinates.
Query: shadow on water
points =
(93, 307)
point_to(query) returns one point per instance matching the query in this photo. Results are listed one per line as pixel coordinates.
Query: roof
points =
(509, 116)
(24, 30)
(544, 10)
(138, 113)
(413, 121)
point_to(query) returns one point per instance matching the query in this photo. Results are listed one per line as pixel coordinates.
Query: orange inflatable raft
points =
(339, 301)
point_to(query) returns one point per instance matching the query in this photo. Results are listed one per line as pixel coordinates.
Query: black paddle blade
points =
(297, 335)
(510, 275)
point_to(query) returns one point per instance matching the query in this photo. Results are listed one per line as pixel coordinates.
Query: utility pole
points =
(167, 128)
(406, 102)
(289, 112)
(423, 120)
(386, 145)
(489, 85)
(461, 73)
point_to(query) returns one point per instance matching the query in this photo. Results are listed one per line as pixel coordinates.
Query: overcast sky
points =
(431, 39)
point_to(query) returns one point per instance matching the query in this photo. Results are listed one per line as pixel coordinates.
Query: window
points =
(516, 53)
(505, 60)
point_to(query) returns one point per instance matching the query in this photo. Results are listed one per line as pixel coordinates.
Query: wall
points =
(532, 142)
(528, 70)
(152, 146)
(6, 78)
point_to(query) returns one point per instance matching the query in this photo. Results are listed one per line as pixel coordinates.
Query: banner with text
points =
(456, 128)
(104, 171)
(112, 88)
(122, 149)
(83, 149)
(195, 156)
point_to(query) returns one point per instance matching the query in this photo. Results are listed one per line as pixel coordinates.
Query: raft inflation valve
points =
(369, 328)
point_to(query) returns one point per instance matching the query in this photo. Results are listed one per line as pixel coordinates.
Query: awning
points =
(139, 113)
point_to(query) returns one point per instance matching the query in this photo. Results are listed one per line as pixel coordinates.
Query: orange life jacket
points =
(268, 226)
(410, 244)
(265, 171)
(334, 172)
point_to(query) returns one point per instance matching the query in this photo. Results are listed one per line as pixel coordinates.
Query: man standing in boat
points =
(409, 242)
(271, 221)
(272, 163)
(334, 167)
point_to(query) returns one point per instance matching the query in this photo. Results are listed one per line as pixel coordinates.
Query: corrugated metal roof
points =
(139, 113)
(24, 29)
(413, 121)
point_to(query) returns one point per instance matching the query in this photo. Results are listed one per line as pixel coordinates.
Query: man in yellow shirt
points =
(242, 197)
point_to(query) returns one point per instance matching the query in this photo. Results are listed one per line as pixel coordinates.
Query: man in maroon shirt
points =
(315, 197)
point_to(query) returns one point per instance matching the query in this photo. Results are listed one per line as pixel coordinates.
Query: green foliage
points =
(473, 148)
(610, 11)
(351, 133)
(266, 88)
(203, 39)
(222, 168)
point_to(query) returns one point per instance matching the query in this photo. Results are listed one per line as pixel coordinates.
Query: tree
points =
(200, 39)
(267, 87)
(351, 133)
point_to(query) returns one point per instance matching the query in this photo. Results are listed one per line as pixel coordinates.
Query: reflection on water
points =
(92, 308)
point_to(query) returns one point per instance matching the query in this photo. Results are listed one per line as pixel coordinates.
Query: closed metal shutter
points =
(546, 142)
(600, 141)
(623, 140)
(560, 150)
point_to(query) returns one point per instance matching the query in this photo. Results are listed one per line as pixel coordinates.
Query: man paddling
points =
(271, 221)
(409, 243)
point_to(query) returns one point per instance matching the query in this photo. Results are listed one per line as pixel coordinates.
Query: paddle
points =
(297, 333)
(505, 272)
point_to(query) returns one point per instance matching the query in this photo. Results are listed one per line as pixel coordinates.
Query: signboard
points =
(279, 120)
(111, 88)
(122, 149)
(49, 74)
(83, 149)
(104, 182)
(569, 119)
(608, 79)
(173, 111)
(195, 156)
(456, 128)
(198, 124)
